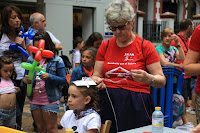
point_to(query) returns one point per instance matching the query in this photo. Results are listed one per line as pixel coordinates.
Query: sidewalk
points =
(27, 120)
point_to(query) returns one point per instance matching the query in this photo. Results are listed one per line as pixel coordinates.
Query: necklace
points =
(39, 73)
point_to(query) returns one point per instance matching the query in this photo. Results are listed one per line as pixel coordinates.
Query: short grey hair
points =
(34, 17)
(119, 11)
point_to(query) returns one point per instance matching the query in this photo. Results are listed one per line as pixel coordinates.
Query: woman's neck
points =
(127, 41)
(12, 36)
(165, 45)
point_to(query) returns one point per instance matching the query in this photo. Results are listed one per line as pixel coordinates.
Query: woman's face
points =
(97, 43)
(122, 31)
(167, 39)
(14, 21)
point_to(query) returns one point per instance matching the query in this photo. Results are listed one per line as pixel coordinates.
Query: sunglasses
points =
(120, 27)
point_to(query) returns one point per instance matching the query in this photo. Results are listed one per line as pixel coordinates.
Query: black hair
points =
(92, 38)
(76, 41)
(49, 45)
(185, 23)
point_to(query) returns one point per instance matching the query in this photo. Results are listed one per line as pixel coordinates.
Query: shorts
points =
(178, 106)
(192, 84)
(186, 91)
(8, 117)
(51, 108)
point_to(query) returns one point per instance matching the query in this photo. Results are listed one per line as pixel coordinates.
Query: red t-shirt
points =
(195, 46)
(185, 48)
(118, 61)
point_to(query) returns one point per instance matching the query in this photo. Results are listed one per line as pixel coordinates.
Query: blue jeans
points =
(8, 117)
(51, 108)
(192, 84)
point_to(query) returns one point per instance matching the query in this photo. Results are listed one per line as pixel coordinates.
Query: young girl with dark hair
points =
(82, 116)
(86, 68)
(46, 93)
(7, 92)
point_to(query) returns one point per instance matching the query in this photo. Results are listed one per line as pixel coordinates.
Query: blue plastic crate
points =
(166, 93)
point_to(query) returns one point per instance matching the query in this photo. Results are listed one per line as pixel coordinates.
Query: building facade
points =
(67, 19)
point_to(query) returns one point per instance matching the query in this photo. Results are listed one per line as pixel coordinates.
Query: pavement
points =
(27, 120)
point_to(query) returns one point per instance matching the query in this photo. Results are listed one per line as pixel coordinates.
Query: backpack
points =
(67, 63)
(68, 66)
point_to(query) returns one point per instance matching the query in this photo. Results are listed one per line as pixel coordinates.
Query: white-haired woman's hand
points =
(141, 76)
(99, 82)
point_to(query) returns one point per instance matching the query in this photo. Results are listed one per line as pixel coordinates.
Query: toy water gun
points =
(39, 53)
(15, 46)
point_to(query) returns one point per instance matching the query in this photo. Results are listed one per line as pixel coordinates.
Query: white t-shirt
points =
(76, 58)
(53, 38)
(91, 121)
(15, 55)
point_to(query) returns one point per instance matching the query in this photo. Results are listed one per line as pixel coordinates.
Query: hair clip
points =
(86, 81)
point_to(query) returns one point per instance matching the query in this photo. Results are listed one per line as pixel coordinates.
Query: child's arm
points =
(17, 89)
(92, 131)
(26, 80)
(60, 77)
(74, 76)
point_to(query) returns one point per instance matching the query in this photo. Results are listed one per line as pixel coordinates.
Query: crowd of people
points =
(121, 70)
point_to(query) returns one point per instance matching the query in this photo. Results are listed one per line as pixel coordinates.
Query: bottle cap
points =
(157, 108)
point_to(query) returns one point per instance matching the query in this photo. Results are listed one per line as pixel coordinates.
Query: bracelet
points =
(153, 80)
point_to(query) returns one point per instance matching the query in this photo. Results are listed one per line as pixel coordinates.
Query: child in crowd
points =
(7, 92)
(94, 40)
(86, 68)
(83, 103)
(168, 56)
(46, 92)
(75, 53)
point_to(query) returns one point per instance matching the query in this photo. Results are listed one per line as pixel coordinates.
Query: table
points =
(148, 129)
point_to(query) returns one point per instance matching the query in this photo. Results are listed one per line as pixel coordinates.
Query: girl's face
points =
(167, 39)
(14, 21)
(6, 71)
(76, 100)
(87, 59)
(97, 43)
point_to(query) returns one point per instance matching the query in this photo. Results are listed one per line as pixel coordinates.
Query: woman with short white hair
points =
(127, 66)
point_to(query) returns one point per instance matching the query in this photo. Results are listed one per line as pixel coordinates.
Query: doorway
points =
(83, 22)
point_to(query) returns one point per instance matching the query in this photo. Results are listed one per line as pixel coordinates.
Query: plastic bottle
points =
(157, 121)
(69, 130)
